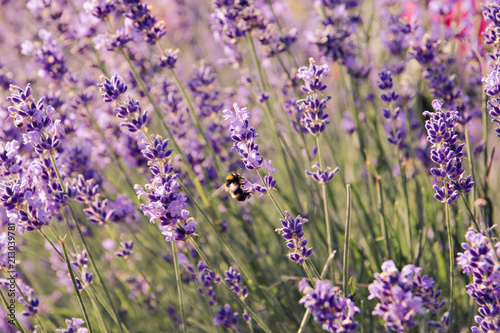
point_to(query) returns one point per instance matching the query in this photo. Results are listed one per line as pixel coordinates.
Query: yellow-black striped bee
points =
(235, 186)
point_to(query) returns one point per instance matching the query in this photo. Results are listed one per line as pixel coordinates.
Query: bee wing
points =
(218, 191)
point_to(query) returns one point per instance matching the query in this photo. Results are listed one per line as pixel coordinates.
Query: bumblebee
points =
(235, 186)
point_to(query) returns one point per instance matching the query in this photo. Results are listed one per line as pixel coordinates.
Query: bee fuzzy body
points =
(234, 185)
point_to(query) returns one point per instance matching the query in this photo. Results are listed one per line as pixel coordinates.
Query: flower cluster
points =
(233, 279)
(314, 118)
(269, 180)
(74, 326)
(126, 249)
(396, 39)
(24, 293)
(244, 137)
(329, 307)
(40, 130)
(294, 236)
(207, 278)
(322, 176)
(335, 37)
(139, 22)
(442, 86)
(31, 190)
(143, 22)
(492, 80)
(112, 89)
(81, 262)
(395, 123)
(447, 153)
(165, 203)
(135, 119)
(403, 295)
(87, 192)
(47, 54)
(233, 19)
(273, 41)
(480, 259)
(227, 318)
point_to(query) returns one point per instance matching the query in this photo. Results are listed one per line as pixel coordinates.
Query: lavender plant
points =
(480, 258)
(121, 118)
(403, 295)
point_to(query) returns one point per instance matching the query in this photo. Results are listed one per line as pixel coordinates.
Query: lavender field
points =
(249, 166)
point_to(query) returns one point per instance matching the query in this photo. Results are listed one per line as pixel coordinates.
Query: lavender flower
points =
(87, 278)
(41, 131)
(480, 258)
(492, 80)
(294, 236)
(169, 58)
(81, 259)
(135, 119)
(335, 37)
(74, 326)
(48, 55)
(112, 89)
(329, 307)
(245, 146)
(126, 249)
(395, 124)
(227, 318)
(447, 152)
(24, 294)
(233, 19)
(100, 8)
(403, 295)
(165, 203)
(314, 118)
(492, 83)
(322, 176)
(494, 106)
(274, 41)
(32, 197)
(233, 279)
(88, 193)
(244, 137)
(207, 278)
(269, 181)
(442, 86)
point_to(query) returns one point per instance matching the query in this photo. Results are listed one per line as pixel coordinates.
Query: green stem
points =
(77, 291)
(485, 132)
(94, 305)
(469, 211)
(179, 286)
(471, 166)
(51, 244)
(346, 241)
(304, 321)
(96, 270)
(450, 243)
(325, 204)
(383, 222)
